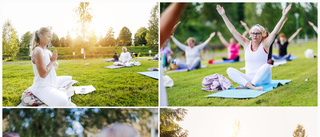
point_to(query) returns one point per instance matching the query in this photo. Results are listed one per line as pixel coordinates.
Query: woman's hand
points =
(243, 23)
(220, 10)
(219, 33)
(286, 10)
(175, 27)
(310, 23)
(212, 34)
(54, 56)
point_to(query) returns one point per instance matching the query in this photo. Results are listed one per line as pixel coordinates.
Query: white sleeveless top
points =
(51, 79)
(254, 60)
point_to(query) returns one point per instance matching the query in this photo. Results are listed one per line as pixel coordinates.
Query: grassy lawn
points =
(187, 85)
(114, 87)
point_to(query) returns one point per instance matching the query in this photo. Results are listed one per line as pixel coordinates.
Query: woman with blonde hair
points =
(258, 72)
(192, 52)
(46, 85)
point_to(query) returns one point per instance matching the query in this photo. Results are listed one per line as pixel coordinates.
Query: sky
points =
(254, 121)
(31, 15)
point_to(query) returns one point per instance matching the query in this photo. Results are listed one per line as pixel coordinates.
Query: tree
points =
(109, 39)
(152, 34)
(63, 42)
(55, 40)
(68, 40)
(250, 14)
(92, 39)
(26, 39)
(140, 36)
(124, 38)
(299, 132)
(168, 127)
(84, 18)
(54, 122)
(10, 41)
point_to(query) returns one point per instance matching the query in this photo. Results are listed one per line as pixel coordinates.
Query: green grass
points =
(187, 85)
(114, 87)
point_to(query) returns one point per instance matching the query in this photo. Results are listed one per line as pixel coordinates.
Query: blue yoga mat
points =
(228, 61)
(152, 74)
(248, 93)
(291, 58)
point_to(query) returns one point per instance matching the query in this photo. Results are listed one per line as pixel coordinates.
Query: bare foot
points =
(241, 87)
(249, 85)
(258, 88)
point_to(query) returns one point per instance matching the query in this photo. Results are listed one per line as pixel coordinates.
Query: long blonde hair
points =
(36, 39)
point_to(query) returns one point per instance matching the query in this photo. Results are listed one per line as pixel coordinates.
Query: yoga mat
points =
(228, 61)
(248, 93)
(114, 67)
(291, 58)
(152, 74)
(184, 70)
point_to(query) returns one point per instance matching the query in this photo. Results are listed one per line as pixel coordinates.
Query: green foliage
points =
(152, 33)
(187, 89)
(66, 51)
(168, 126)
(63, 42)
(25, 41)
(109, 39)
(55, 40)
(114, 87)
(10, 41)
(200, 19)
(92, 39)
(140, 37)
(250, 17)
(54, 122)
(68, 41)
(124, 38)
(35, 122)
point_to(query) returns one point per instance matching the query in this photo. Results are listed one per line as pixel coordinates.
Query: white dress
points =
(48, 89)
(124, 57)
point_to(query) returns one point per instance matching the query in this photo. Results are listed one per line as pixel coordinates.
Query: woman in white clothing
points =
(192, 52)
(124, 58)
(258, 72)
(46, 86)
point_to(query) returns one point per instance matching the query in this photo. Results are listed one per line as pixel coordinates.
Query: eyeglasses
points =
(256, 34)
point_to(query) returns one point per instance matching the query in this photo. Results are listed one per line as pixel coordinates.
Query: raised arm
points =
(168, 19)
(224, 42)
(282, 25)
(313, 26)
(245, 26)
(294, 34)
(181, 46)
(272, 35)
(202, 45)
(242, 40)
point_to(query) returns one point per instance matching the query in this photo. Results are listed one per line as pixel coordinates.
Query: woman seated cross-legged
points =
(258, 72)
(124, 58)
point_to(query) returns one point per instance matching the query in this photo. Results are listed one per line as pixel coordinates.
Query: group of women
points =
(258, 50)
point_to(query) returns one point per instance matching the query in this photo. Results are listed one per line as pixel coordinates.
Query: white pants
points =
(128, 64)
(52, 96)
(263, 76)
